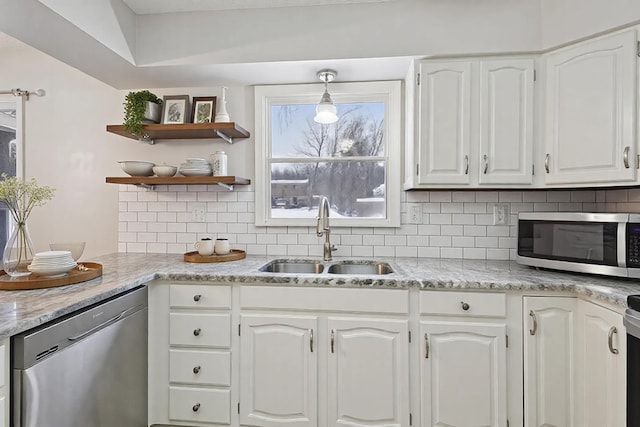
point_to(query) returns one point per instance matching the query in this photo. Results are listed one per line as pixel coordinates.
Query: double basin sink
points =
(316, 267)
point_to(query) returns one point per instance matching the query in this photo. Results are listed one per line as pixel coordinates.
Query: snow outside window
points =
(354, 162)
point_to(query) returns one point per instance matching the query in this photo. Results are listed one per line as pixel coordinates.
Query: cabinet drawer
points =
(200, 296)
(200, 329)
(463, 303)
(200, 405)
(200, 367)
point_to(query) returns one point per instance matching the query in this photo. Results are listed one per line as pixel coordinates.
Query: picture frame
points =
(203, 109)
(175, 109)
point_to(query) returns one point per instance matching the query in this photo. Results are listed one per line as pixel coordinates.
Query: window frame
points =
(389, 92)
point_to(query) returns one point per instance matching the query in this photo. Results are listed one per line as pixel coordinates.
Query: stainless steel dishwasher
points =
(87, 369)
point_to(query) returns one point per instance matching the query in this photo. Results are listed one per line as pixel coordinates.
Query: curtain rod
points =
(20, 92)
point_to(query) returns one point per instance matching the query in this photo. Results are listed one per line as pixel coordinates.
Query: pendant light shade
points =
(326, 111)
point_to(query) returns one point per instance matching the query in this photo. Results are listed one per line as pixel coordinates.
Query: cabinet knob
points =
(196, 370)
(465, 306)
(197, 331)
(195, 407)
(196, 298)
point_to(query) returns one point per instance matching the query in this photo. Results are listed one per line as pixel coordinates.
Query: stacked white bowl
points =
(196, 167)
(52, 263)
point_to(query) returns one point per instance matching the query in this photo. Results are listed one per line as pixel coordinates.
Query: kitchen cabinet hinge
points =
(418, 79)
(535, 75)
(410, 419)
(409, 336)
(238, 329)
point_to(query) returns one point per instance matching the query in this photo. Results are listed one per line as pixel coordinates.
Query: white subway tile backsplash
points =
(455, 224)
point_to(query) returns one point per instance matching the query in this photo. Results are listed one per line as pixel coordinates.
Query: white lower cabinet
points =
(190, 362)
(328, 368)
(278, 370)
(463, 360)
(549, 361)
(4, 383)
(602, 366)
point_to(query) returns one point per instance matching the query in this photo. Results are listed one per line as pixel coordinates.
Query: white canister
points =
(219, 163)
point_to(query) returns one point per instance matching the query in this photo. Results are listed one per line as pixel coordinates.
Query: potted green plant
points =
(139, 108)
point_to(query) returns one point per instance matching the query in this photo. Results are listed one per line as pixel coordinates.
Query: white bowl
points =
(137, 168)
(76, 248)
(165, 170)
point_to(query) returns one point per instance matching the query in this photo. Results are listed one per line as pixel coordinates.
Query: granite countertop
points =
(22, 310)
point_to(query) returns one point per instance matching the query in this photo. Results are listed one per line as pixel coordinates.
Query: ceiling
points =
(146, 7)
(132, 44)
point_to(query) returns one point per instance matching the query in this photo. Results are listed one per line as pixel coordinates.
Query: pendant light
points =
(326, 111)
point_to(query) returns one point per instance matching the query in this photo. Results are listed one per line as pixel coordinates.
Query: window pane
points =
(358, 131)
(355, 189)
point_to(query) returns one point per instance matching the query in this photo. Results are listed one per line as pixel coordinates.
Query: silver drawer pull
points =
(196, 370)
(465, 306)
(426, 346)
(612, 331)
(466, 165)
(485, 159)
(197, 331)
(195, 407)
(196, 298)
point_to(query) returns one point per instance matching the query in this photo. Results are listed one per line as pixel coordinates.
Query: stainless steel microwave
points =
(596, 243)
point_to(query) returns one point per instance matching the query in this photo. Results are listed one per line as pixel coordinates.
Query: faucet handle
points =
(333, 248)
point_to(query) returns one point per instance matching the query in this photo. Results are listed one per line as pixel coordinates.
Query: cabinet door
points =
(591, 111)
(603, 352)
(368, 372)
(549, 327)
(463, 374)
(444, 122)
(278, 370)
(506, 121)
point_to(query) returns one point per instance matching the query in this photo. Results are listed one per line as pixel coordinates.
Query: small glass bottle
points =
(219, 163)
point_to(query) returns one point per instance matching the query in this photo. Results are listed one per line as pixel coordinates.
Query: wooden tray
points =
(35, 281)
(234, 255)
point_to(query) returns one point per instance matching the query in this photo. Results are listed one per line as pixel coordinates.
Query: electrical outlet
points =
(199, 212)
(414, 213)
(501, 214)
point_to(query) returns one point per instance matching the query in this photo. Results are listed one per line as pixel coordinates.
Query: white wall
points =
(564, 21)
(66, 148)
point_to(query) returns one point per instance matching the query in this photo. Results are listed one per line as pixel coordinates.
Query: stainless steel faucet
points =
(323, 228)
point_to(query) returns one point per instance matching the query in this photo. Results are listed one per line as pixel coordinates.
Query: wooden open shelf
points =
(150, 181)
(225, 130)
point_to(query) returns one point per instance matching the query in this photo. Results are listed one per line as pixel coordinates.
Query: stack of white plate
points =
(196, 167)
(52, 263)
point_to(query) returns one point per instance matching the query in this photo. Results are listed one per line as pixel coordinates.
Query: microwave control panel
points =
(633, 244)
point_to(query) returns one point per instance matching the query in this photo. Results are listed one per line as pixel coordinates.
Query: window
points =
(354, 162)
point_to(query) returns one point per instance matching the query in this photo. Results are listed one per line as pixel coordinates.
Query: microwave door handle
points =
(622, 244)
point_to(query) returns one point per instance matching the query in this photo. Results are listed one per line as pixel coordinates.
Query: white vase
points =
(221, 114)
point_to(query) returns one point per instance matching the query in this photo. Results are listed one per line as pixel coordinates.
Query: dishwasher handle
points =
(97, 328)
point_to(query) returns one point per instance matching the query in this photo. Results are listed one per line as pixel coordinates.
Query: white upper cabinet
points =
(590, 128)
(444, 122)
(474, 123)
(506, 121)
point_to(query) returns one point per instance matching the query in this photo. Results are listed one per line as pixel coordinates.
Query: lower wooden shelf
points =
(150, 181)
